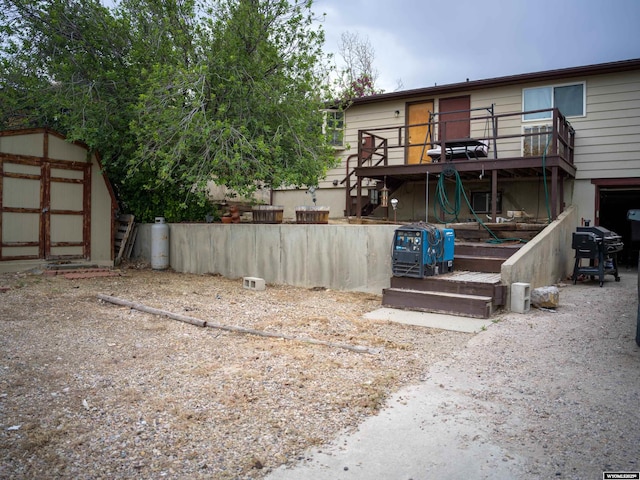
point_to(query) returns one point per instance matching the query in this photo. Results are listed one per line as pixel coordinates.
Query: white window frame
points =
(540, 140)
(328, 132)
(552, 88)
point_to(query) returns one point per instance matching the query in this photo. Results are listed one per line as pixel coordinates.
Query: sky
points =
(421, 43)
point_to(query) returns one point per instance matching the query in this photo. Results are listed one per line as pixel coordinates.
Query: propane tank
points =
(159, 244)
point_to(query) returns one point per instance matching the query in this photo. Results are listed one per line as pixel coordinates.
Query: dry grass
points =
(102, 391)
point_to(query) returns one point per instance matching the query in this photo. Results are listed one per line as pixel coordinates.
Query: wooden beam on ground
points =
(231, 328)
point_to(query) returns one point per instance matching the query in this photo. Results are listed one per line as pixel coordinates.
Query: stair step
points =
(477, 263)
(477, 306)
(487, 249)
(457, 282)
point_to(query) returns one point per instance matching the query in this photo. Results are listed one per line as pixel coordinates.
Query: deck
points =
(544, 152)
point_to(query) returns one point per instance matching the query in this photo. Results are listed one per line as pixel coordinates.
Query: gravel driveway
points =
(548, 394)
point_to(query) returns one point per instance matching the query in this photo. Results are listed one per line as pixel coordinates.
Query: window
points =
(481, 202)
(569, 99)
(536, 139)
(333, 127)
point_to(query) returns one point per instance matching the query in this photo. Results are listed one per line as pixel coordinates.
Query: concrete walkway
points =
(410, 440)
(431, 320)
(521, 400)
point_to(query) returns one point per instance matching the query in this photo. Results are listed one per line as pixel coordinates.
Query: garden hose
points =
(453, 208)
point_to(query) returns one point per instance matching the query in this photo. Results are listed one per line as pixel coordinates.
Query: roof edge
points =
(594, 69)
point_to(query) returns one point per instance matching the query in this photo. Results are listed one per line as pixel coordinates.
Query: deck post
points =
(359, 198)
(359, 178)
(561, 194)
(554, 193)
(494, 195)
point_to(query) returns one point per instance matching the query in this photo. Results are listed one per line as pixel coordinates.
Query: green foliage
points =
(172, 93)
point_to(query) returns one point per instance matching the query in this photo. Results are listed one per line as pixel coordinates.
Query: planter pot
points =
(267, 213)
(226, 219)
(312, 214)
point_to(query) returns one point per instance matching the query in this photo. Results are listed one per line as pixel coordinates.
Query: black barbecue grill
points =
(600, 247)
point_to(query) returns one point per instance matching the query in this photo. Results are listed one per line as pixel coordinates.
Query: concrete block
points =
(520, 297)
(253, 283)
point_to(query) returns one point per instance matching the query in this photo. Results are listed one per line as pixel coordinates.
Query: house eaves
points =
(548, 75)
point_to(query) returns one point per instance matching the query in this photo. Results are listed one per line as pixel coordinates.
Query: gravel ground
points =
(547, 394)
(561, 389)
(94, 390)
(90, 389)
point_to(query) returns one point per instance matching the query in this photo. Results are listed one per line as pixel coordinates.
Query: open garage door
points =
(614, 202)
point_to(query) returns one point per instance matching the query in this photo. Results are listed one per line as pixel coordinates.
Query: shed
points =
(56, 203)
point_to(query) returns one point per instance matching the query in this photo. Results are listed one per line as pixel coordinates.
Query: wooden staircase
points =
(473, 289)
(483, 257)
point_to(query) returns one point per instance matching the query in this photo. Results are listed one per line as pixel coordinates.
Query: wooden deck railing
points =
(387, 146)
(499, 134)
(372, 150)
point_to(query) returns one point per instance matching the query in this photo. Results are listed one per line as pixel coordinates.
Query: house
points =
(526, 145)
(56, 203)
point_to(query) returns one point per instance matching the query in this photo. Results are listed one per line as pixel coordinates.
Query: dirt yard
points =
(89, 389)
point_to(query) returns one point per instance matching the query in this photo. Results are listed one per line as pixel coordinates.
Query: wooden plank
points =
(438, 302)
(130, 242)
(85, 275)
(485, 249)
(478, 264)
(125, 226)
(470, 276)
(232, 328)
(439, 284)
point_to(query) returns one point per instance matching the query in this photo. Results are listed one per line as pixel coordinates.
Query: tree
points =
(172, 93)
(358, 76)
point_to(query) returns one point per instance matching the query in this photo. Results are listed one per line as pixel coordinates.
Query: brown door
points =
(454, 125)
(20, 209)
(66, 211)
(44, 209)
(418, 136)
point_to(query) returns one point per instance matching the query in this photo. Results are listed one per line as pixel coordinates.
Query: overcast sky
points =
(424, 42)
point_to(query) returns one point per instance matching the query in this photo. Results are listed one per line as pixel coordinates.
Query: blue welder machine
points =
(422, 250)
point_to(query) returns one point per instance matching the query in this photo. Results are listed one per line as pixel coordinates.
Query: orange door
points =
(418, 136)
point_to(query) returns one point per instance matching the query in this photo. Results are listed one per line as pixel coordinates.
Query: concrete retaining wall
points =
(548, 258)
(340, 257)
